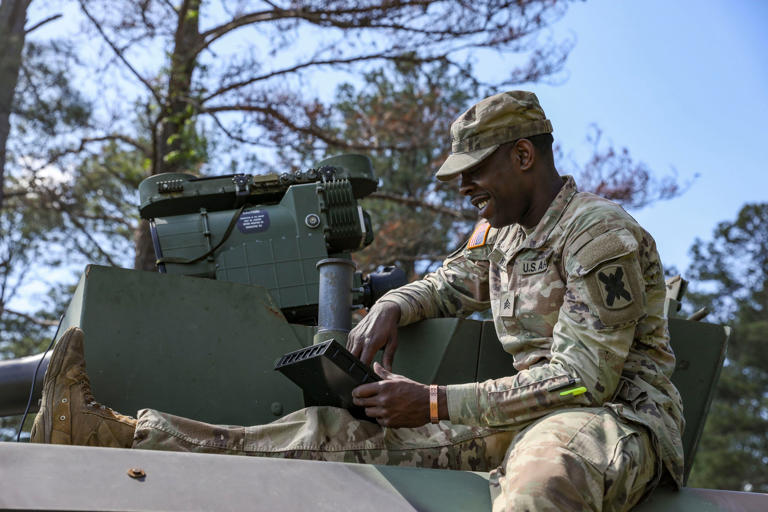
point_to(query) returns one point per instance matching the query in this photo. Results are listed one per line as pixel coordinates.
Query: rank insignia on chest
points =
(479, 235)
(614, 287)
(507, 305)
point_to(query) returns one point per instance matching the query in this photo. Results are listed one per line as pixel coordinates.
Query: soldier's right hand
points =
(377, 329)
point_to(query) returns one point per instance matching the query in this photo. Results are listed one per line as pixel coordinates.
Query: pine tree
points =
(731, 272)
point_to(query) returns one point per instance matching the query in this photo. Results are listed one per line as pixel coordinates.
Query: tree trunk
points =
(178, 109)
(13, 16)
(145, 251)
(177, 112)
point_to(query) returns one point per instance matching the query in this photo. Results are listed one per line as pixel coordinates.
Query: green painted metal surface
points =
(267, 230)
(205, 349)
(271, 246)
(193, 347)
(700, 349)
(358, 169)
(703, 500)
(440, 350)
(166, 194)
(492, 361)
(440, 490)
(37, 477)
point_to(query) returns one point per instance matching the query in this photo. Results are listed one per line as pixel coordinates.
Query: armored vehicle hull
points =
(200, 348)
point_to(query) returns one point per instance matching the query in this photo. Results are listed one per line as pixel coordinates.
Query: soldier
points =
(590, 421)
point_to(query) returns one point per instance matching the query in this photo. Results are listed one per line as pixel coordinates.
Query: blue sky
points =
(683, 85)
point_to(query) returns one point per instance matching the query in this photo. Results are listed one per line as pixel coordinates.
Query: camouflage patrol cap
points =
(479, 131)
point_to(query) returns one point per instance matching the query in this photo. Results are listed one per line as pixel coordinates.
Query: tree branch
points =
(38, 321)
(411, 201)
(88, 140)
(107, 217)
(278, 13)
(232, 135)
(87, 235)
(286, 121)
(41, 23)
(241, 21)
(328, 62)
(15, 193)
(380, 17)
(119, 53)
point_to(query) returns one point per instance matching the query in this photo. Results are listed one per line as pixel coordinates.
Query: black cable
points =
(182, 261)
(34, 378)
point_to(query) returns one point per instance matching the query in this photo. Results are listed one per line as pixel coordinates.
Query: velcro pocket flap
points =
(604, 247)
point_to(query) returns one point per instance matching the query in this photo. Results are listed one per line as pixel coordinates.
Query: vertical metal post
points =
(156, 245)
(334, 308)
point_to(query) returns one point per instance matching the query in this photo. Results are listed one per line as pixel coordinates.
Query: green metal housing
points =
(267, 230)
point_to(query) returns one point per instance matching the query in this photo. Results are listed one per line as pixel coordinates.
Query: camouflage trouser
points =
(574, 459)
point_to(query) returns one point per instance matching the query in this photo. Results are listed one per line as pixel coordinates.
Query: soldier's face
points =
(497, 189)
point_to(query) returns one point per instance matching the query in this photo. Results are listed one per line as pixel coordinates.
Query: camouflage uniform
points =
(578, 301)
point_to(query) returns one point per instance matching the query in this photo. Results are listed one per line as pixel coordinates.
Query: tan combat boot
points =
(68, 412)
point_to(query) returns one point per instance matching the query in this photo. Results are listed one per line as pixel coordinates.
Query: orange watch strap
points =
(434, 416)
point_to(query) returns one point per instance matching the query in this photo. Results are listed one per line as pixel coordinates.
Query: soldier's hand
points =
(377, 329)
(396, 401)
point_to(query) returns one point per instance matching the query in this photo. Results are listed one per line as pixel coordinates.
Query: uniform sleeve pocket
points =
(604, 247)
(606, 275)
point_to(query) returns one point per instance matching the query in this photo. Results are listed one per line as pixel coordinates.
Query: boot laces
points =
(88, 397)
(90, 400)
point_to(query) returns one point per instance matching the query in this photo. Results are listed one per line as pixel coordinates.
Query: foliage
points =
(732, 275)
(44, 113)
(197, 85)
(242, 70)
(613, 173)
(402, 114)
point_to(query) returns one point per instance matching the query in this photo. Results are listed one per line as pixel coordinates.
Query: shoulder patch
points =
(614, 287)
(479, 236)
(616, 292)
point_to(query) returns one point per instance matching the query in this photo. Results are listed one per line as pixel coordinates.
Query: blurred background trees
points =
(212, 87)
(731, 276)
(207, 87)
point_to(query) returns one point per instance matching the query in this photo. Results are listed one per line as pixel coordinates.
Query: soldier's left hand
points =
(395, 401)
